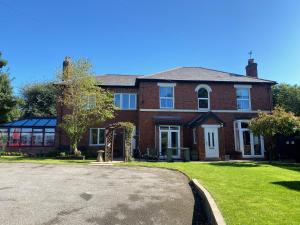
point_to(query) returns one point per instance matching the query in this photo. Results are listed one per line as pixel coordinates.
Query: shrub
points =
(62, 154)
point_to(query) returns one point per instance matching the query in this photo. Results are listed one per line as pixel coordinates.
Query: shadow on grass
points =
(288, 166)
(292, 185)
(235, 164)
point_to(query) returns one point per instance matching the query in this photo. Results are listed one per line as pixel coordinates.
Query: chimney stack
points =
(251, 68)
(67, 68)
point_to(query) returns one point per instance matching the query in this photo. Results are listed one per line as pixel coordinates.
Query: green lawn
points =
(248, 193)
(21, 159)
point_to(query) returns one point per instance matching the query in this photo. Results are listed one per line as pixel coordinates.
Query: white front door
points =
(211, 142)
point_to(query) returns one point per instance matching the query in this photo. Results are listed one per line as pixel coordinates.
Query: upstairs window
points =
(203, 95)
(243, 98)
(166, 96)
(202, 98)
(89, 102)
(125, 101)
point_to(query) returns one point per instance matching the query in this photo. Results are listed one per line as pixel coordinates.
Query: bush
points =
(62, 154)
(12, 154)
(77, 153)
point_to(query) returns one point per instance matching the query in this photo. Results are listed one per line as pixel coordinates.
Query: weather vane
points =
(250, 54)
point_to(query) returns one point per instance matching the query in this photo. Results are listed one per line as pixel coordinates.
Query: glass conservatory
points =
(28, 133)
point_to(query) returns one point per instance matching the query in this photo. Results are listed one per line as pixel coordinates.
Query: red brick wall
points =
(62, 140)
(223, 97)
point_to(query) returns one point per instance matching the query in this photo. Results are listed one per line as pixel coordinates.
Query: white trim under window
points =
(125, 101)
(203, 98)
(243, 97)
(97, 137)
(169, 101)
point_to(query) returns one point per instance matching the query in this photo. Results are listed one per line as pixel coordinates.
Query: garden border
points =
(211, 209)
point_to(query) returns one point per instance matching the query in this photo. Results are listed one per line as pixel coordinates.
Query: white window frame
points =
(247, 87)
(170, 85)
(194, 136)
(169, 130)
(121, 100)
(208, 89)
(241, 140)
(89, 104)
(90, 137)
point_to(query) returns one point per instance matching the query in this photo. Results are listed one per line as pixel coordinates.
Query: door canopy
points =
(205, 117)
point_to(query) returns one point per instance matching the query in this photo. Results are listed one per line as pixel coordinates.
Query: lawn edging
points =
(213, 213)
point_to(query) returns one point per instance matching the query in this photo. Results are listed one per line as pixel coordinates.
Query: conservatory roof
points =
(32, 122)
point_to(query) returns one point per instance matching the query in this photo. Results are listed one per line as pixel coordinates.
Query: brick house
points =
(203, 109)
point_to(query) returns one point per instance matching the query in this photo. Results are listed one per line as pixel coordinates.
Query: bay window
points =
(249, 144)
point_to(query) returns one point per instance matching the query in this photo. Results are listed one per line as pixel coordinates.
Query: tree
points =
(3, 62)
(7, 100)
(288, 97)
(84, 102)
(270, 126)
(39, 99)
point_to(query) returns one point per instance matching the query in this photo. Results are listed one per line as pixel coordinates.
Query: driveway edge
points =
(213, 213)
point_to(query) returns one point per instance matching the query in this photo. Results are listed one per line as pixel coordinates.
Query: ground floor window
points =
(16, 136)
(246, 142)
(169, 137)
(3, 137)
(97, 136)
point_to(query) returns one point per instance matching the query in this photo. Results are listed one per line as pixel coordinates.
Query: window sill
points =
(244, 110)
(126, 109)
(203, 110)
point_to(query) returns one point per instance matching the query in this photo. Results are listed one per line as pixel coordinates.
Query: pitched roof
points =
(204, 117)
(117, 79)
(202, 74)
(197, 74)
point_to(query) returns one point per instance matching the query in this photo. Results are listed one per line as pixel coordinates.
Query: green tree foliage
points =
(288, 97)
(279, 122)
(272, 125)
(7, 100)
(3, 62)
(39, 99)
(85, 103)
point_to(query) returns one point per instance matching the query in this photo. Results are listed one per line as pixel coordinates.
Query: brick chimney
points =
(67, 68)
(251, 68)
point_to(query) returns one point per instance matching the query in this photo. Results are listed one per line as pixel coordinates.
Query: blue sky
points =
(143, 36)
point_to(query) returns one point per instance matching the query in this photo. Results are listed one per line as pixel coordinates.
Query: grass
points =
(247, 193)
(43, 160)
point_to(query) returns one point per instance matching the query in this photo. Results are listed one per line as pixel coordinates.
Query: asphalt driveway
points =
(71, 194)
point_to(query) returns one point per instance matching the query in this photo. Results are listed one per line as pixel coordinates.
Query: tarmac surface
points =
(45, 194)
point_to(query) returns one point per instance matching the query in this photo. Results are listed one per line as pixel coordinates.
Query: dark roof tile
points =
(202, 74)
